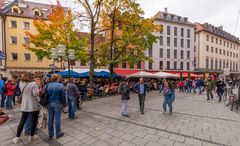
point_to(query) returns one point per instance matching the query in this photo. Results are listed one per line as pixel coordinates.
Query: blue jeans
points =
(27, 125)
(3, 98)
(200, 89)
(72, 105)
(9, 102)
(124, 107)
(167, 101)
(54, 118)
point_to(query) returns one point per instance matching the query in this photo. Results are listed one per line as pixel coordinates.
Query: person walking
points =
(124, 90)
(83, 90)
(3, 91)
(142, 89)
(168, 97)
(72, 96)
(10, 87)
(57, 100)
(220, 88)
(209, 86)
(30, 106)
(181, 86)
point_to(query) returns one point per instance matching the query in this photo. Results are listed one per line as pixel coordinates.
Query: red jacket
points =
(181, 84)
(10, 89)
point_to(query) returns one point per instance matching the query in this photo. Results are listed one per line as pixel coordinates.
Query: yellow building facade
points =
(19, 19)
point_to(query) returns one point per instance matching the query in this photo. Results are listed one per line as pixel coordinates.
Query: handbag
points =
(44, 99)
(19, 99)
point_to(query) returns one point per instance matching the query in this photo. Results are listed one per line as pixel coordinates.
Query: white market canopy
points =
(141, 74)
(165, 75)
(80, 71)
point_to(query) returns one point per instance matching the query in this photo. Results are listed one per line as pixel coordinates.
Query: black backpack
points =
(44, 98)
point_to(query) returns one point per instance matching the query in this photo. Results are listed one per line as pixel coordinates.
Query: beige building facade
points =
(215, 49)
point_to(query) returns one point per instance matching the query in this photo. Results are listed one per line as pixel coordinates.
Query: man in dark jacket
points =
(141, 88)
(124, 90)
(220, 88)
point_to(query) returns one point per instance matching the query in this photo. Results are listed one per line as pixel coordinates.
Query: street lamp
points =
(59, 52)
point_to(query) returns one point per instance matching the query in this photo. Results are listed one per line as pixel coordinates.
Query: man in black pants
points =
(141, 88)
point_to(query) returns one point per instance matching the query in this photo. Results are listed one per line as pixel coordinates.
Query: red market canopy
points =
(125, 72)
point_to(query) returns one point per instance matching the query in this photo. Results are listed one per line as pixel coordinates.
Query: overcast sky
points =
(216, 12)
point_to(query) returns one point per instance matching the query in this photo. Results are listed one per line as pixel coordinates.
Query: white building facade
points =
(174, 51)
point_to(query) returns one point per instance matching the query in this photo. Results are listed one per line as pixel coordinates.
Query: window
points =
(26, 25)
(207, 62)
(124, 65)
(207, 37)
(150, 65)
(223, 64)
(188, 54)
(161, 29)
(236, 55)
(233, 66)
(188, 65)
(175, 54)
(227, 44)
(175, 65)
(168, 30)
(182, 43)
(236, 66)
(216, 40)
(181, 65)
(220, 63)
(37, 13)
(175, 31)
(13, 40)
(224, 43)
(224, 52)
(161, 53)
(182, 54)
(14, 56)
(207, 48)
(26, 40)
(27, 57)
(168, 41)
(161, 40)
(220, 42)
(182, 32)
(227, 53)
(212, 49)
(216, 63)
(139, 65)
(150, 52)
(175, 42)
(13, 24)
(211, 63)
(231, 45)
(230, 54)
(188, 43)
(161, 65)
(168, 53)
(216, 50)
(220, 51)
(188, 33)
(212, 39)
(168, 64)
(194, 49)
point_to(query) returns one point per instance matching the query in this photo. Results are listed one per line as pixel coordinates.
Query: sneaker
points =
(16, 140)
(164, 112)
(125, 115)
(74, 117)
(62, 134)
(30, 139)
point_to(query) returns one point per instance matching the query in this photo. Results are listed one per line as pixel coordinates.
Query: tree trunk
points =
(92, 63)
(111, 65)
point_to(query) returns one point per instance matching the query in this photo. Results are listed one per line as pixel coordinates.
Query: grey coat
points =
(30, 97)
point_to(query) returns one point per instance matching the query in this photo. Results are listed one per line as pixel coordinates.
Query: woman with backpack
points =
(29, 106)
(168, 97)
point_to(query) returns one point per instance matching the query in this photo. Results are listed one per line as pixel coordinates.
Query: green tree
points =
(128, 34)
(59, 29)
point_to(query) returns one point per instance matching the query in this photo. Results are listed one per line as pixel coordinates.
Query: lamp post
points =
(60, 52)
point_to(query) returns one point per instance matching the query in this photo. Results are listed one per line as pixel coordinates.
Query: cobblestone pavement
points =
(195, 122)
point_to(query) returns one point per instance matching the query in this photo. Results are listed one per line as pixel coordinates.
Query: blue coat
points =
(137, 88)
(169, 95)
(56, 93)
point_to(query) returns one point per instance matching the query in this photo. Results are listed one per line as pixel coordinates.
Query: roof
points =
(169, 17)
(218, 31)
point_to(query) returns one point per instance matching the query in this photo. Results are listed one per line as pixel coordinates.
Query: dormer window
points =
(37, 12)
(16, 9)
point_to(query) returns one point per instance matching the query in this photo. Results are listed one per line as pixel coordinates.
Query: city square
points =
(195, 122)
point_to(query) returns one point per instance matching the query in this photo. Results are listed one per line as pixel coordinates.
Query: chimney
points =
(221, 27)
(165, 10)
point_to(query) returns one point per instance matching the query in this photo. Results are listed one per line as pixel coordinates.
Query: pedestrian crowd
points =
(54, 94)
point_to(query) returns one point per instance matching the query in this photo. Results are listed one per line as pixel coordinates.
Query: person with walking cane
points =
(141, 88)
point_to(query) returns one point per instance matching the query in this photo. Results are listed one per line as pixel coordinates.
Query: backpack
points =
(44, 98)
(4, 89)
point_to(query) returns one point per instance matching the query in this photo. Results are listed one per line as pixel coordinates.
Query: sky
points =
(215, 12)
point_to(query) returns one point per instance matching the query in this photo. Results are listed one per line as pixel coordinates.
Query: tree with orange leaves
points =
(59, 29)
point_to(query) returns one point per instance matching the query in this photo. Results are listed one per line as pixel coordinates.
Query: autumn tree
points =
(59, 29)
(91, 15)
(128, 34)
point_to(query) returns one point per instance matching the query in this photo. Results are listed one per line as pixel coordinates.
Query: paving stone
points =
(166, 141)
(80, 136)
(177, 138)
(89, 140)
(139, 133)
(193, 142)
(100, 143)
(125, 143)
(151, 137)
(104, 136)
(153, 144)
(140, 141)
(114, 141)
(127, 137)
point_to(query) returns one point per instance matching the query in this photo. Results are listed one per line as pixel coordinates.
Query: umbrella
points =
(104, 74)
(141, 74)
(65, 74)
(165, 75)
